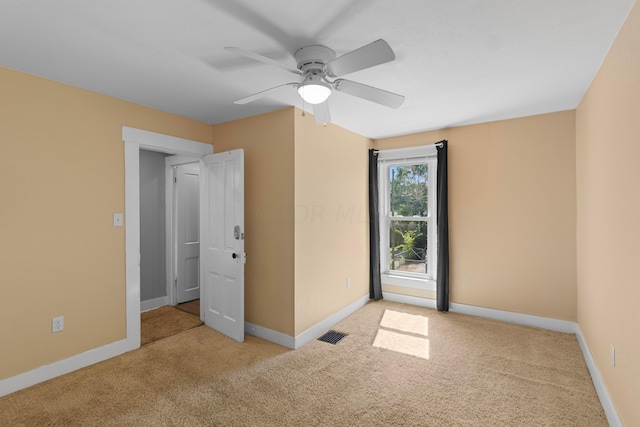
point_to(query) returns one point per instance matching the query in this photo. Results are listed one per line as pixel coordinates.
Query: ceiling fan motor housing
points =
(311, 59)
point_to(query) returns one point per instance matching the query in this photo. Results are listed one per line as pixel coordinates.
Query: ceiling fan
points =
(319, 68)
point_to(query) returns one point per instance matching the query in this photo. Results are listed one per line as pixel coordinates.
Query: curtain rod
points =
(439, 144)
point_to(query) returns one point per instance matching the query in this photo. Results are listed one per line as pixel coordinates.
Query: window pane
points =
(409, 188)
(408, 246)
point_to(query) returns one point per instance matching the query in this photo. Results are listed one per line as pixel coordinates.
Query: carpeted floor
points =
(399, 365)
(164, 322)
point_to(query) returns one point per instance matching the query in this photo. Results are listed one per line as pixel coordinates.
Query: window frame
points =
(405, 157)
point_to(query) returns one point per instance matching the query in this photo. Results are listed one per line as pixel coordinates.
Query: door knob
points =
(234, 255)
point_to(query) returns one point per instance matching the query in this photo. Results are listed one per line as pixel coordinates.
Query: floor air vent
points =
(332, 337)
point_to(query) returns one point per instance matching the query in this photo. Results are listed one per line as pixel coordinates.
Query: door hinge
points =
(175, 282)
(175, 180)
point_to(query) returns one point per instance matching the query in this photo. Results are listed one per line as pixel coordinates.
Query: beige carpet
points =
(460, 371)
(164, 322)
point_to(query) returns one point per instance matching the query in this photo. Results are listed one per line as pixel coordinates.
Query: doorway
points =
(134, 141)
(183, 228)
(169, 245)
(169, 231)
(221, 231)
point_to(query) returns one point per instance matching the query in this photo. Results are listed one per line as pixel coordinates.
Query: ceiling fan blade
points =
(370, 55)
(369, 93)
(262, 59)
(321, 113)
(264, 93)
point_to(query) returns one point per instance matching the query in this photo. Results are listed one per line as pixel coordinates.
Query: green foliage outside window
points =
(408, 199)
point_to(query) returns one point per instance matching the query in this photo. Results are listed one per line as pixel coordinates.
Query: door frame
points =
(170, 206)
(134, 140)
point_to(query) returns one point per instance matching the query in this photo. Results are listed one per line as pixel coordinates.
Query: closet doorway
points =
(183, 228)
(169, 231)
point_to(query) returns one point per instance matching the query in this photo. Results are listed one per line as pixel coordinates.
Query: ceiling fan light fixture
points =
(314, 92)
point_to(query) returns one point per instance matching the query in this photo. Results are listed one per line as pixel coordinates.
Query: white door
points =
(222, 243)
(187, 221)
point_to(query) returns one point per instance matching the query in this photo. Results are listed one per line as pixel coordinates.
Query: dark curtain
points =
(375, 286)
(442, 283)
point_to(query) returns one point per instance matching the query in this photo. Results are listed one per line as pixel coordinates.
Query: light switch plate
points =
(117, 219)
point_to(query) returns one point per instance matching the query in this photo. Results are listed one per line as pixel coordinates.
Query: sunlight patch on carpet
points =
(402, 343)
(405, 322)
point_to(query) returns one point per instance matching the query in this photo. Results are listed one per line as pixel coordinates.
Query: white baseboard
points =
(153, 303)
(73, 363)
(327, 323)
(528, 320)
(308, 335)
(489, 313)
(269, 335)
(517, 318)
(603, 394)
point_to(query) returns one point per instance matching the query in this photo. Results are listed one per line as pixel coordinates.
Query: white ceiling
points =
(457, 61)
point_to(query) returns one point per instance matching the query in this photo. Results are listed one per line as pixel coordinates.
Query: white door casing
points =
(222, 253)
(187, 227)
(134, 140)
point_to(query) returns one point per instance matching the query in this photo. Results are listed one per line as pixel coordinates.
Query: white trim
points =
(132, 241)
(517, 318)
(165, 143)
(152, 304)
(171, 253)
(489, 313)
(601, 389)
(73, 363)
(270, 335)
(408, 282)
(134, 140)
(327, 323)
(408, 153)
(308, 335)
(399, 157)
(406, 299)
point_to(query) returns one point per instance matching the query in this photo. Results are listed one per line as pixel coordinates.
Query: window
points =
(407, 190)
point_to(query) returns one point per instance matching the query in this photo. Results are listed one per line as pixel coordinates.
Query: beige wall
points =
(608, 177)
(268, 143)
(306, 224)
(63, 178)
(511, 213)
(331, 221)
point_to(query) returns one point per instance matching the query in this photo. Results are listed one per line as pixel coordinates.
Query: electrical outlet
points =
(348, 282)
(57, 324)
(613, 356)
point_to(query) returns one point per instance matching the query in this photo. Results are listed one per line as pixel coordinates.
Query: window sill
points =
(408, 282)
